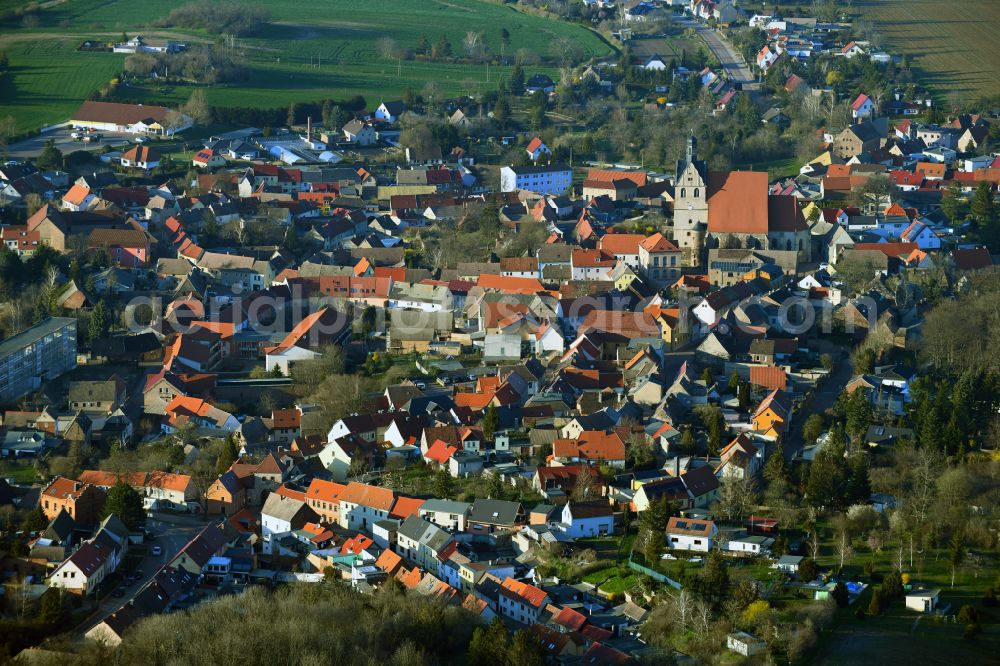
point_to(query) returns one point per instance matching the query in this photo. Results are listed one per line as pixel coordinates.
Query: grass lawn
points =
(896, 632)
(668, 47)
(18, 472)
(788, 166)
(952, 46)
(49, 77)
(611, 580)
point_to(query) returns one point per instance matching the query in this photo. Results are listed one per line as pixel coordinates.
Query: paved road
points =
(170, 533)
(823, 399)
(66, 143)
(732, 61)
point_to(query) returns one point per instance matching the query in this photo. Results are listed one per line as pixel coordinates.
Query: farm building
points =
(132, 118)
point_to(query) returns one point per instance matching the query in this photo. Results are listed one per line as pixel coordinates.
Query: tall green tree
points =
(444, 485)
(125, 502)
(50, 157)
(491, 421)
(525, 650)
(227, 455)
(100, 322)
(55, 608)
(859, 488)
(489, 646)
(35, 520)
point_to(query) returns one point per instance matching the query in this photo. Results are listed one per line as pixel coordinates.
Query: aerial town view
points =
(499, 332)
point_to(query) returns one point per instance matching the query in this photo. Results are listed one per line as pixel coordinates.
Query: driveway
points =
(171, 533)
(732, 62)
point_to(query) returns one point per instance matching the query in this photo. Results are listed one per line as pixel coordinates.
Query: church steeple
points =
(692, 147)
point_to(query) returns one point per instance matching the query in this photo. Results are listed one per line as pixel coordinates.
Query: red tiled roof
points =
(972, 259)
(371, 496)
(524, 592)
(591, 445)
(768, 377)
(406, 507)
(618, 244)
(737, 202)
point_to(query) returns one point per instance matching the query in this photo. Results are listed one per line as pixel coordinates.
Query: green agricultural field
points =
(311, 51)
(952, 46)
(48, 79)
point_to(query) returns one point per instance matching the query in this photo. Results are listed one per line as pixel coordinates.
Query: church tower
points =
(690, 204)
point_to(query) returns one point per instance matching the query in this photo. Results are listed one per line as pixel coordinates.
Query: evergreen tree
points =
(99, 322)
(35, 520)
(525, 650)
(50, 157)
(55, 608)
(734, 382)
(812, 428)
(983, 209)
(501, 111)
(491, 421)
(444, 485)
(125, 502)
(776, 468)
(715, 577)
(859, 416)
(826, 478)
(743, 395)
(687, 441)
(516, 83)
(488, 646)
(859, 488)
(227, 456)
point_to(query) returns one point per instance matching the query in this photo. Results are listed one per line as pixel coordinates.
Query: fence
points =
(655, 575)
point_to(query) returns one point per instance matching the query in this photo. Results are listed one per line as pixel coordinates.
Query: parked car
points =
(156, 551)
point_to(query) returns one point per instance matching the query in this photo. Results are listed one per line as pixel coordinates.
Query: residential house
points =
(691, 534)
(360, 133)
(448, 514)
(361, 505)
(423, 543)
(587, 519)
(82, 501)
(592, 447)
(83, 571)
(489, 516)
(547, 179)
(282, 514)
(323, 497)
(141, 157)
(227, 495)
(521, 602)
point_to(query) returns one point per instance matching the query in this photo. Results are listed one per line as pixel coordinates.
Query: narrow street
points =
(824, 398)
(171, 533)
(731, 60)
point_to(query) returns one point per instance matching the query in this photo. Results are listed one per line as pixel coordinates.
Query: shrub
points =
(840, 595)
(968, 614)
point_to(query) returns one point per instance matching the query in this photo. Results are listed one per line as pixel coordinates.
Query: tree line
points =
(232, 18)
